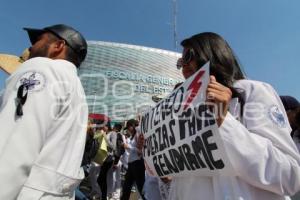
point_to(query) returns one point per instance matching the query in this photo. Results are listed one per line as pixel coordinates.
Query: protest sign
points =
(181, 133)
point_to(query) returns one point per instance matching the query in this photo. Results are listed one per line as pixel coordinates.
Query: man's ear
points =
(59, 45)
(58, 49)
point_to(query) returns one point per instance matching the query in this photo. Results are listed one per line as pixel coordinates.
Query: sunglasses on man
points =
(186, 58)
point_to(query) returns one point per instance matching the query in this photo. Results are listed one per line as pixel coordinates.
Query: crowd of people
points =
(104, 157)
(50, 143)
(114, 166)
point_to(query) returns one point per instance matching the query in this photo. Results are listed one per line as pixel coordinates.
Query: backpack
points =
(94, 148)
(119, 145)
(91, 147)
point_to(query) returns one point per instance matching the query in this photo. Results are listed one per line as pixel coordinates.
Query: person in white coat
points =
(252, 124)
(43, 117)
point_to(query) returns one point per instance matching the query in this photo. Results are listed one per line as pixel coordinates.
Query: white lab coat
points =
(259, 146)
(151, 187)
(41, 151)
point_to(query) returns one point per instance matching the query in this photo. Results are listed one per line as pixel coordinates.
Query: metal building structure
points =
(120, 79)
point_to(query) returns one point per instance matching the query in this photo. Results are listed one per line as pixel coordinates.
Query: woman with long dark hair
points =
(136, 168)
(257, 141)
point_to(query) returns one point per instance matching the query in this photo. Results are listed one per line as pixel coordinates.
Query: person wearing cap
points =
(43, 118)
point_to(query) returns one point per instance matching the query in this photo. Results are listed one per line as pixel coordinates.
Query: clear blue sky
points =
(265, 34)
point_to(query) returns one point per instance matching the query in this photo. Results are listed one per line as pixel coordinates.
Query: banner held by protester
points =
(181, 134)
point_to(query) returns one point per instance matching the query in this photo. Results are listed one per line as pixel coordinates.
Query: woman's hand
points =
(220, 95)
(166, 179)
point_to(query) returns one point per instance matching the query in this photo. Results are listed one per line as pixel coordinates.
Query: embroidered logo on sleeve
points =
(277, 117)
(34, 81)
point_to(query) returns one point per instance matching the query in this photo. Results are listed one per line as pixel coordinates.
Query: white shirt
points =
(41, 151)
(112, 139)
(124, 157)
(151, 187)
(133, 150)
(265, 159)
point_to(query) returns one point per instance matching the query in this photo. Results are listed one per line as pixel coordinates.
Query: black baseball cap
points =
(72, 37)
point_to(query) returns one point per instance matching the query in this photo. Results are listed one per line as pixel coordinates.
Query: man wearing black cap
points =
(43, 116)
(70, 44)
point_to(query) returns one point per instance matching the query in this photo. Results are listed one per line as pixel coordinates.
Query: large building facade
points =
(121, 80)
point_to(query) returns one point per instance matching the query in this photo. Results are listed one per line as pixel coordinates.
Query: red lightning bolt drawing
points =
(194, 87)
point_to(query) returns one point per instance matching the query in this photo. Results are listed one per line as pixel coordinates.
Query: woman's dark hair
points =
(118, 127)
(224, 66)
(133, 133)
(297, 119)
(211, 47)
(134, 123)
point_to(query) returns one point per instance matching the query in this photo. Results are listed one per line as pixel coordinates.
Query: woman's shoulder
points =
(254, 88)
(250, 84)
